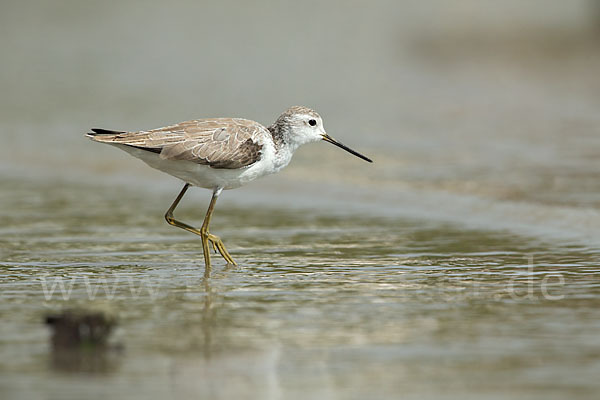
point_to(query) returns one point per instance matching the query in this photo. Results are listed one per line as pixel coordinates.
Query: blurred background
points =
(480, 115)
(472, 100)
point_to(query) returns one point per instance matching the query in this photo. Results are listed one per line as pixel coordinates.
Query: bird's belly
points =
(201, 175)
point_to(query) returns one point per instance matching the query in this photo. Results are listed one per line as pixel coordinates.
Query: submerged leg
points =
(216, 242)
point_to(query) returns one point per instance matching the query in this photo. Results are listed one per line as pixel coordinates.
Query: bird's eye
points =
(312, 122)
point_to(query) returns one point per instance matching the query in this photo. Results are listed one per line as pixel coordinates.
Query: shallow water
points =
(320, 305)
(462, 263)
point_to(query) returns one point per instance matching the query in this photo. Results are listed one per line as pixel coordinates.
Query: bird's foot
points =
(219, 246)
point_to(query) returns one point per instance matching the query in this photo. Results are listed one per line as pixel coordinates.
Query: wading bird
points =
(220, 153)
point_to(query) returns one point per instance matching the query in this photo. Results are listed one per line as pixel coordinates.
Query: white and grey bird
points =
(220, 153)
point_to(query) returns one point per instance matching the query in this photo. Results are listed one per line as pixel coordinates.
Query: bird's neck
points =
(278, 135)
(284, 147)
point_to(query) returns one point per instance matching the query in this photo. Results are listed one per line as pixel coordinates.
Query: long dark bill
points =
(329, 139)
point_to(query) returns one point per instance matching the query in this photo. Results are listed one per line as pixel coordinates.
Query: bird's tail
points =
(101, 135)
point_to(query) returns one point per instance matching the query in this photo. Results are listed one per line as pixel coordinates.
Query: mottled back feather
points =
(228, 143)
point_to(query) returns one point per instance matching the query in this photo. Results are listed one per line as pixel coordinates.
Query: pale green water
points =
(320, 306)
(463, 263)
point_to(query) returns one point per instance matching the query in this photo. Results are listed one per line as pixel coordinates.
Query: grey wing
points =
(228, 143)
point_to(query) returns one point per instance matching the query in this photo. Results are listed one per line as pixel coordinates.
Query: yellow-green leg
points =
(204, 234)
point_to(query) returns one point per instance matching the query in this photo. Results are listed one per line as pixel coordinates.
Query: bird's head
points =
(300, 125)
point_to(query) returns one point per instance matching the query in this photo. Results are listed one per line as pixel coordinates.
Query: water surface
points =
(320, 305)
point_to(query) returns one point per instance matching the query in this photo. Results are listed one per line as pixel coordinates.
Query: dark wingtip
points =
(99, 131)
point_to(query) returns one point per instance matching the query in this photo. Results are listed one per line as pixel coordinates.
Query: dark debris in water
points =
(80, 341)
